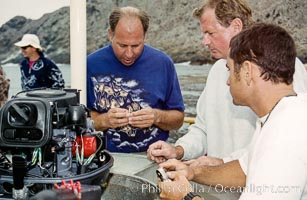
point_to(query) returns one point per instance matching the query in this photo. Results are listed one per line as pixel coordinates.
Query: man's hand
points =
(142, 118)
(161, 151)
(176, 189)
(176, 165)
(117, 117)
(204, 161)
(114, 118)
(163, 119)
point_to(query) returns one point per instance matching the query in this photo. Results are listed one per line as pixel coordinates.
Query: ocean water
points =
(192, 79)
(13, 73)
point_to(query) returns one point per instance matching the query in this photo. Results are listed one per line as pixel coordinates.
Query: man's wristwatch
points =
(190, 196)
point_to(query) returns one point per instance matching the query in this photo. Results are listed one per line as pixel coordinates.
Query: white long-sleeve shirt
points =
(222, 129)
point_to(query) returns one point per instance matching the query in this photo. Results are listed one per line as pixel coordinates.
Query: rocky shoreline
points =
(172, 28)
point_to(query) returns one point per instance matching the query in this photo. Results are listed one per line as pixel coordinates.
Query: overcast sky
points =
(32, 9)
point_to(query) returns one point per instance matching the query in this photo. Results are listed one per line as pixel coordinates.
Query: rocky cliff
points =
(172, 28)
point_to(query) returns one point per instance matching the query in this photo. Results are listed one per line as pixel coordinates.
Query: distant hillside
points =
(172, 28)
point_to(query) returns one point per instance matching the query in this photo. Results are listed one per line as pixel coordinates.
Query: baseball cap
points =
(29, 39)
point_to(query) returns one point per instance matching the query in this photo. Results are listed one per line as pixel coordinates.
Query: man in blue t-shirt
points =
(132, 89)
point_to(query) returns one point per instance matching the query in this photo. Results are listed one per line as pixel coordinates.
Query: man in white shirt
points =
(221, 129)
(261, 62)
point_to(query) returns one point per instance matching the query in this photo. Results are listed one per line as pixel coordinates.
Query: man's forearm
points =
(229, 174)
(168, 119)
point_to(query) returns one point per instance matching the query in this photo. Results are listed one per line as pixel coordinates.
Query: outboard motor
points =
(46, 137)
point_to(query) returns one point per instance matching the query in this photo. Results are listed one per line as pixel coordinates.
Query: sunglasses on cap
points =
(26, 47)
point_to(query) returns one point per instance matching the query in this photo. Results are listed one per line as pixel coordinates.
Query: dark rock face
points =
(52, 29)
(172, 28)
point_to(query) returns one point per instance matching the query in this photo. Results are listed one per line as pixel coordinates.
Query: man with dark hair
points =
(132, 89)
(261, 62)
(221, 129)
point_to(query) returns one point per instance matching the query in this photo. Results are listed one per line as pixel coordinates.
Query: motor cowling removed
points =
(45, 133)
